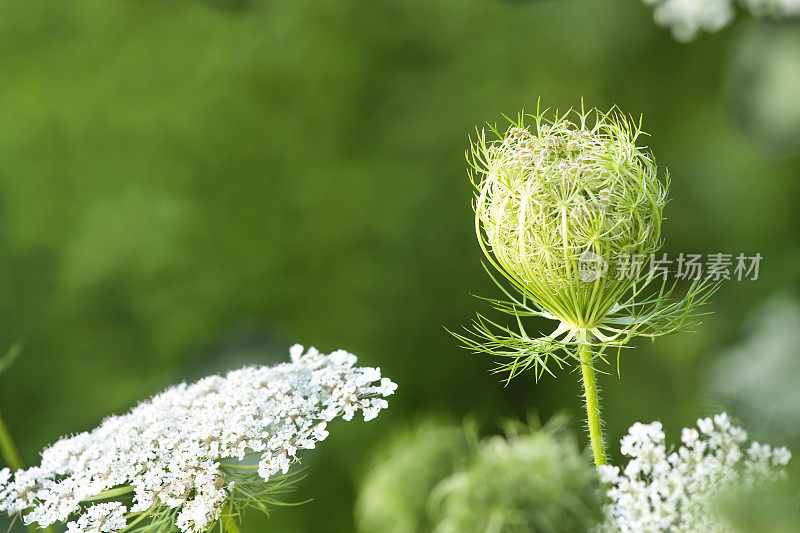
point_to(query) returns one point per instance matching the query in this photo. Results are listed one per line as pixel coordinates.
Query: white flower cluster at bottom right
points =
(662, 491)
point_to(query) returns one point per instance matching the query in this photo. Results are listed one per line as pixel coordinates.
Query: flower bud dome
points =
(561, 202)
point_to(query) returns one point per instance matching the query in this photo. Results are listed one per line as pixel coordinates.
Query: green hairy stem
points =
(593, 419)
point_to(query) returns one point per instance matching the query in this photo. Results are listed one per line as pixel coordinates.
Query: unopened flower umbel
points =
(563, 205)
(557, 193)
(195, 453)
(660, 490)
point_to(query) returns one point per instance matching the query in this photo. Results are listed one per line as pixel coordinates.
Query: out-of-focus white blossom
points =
(687, 18)
(773, 8)
(180, 455)
(762, 76)
(659, 490)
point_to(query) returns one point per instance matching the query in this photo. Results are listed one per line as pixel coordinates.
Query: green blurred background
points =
(186, 187)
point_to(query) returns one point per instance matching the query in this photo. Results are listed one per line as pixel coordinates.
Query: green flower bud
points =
(570, 214)
(559, 203)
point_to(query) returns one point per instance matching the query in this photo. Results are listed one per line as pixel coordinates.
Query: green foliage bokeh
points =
(171, 173)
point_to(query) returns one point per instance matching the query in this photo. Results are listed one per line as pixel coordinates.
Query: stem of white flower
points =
(230, 525)
(110, 493)
(141, 516)
(593, 419)
(8, 450)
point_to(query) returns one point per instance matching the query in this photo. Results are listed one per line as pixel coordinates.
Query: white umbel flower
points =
(778, 9)
(687, 18)
(183, 456)
(662, 491)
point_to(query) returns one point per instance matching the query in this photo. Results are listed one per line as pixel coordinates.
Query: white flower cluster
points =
(773, 8)
(169, 451)
(687, 18)
(103, 518)
(662, 491)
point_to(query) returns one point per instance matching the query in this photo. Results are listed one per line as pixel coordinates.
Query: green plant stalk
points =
(592, 405)
(8, 450)
(230, 525)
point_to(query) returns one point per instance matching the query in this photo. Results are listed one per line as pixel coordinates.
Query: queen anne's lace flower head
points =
(555, 195)
(568, 209)
(660, 490)
(194, 451)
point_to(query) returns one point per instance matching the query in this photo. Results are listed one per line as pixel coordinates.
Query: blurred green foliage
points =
(395, 494)
(173, 174)
(445, 478)
(526, 481)
(756, 378)
(774, 507)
